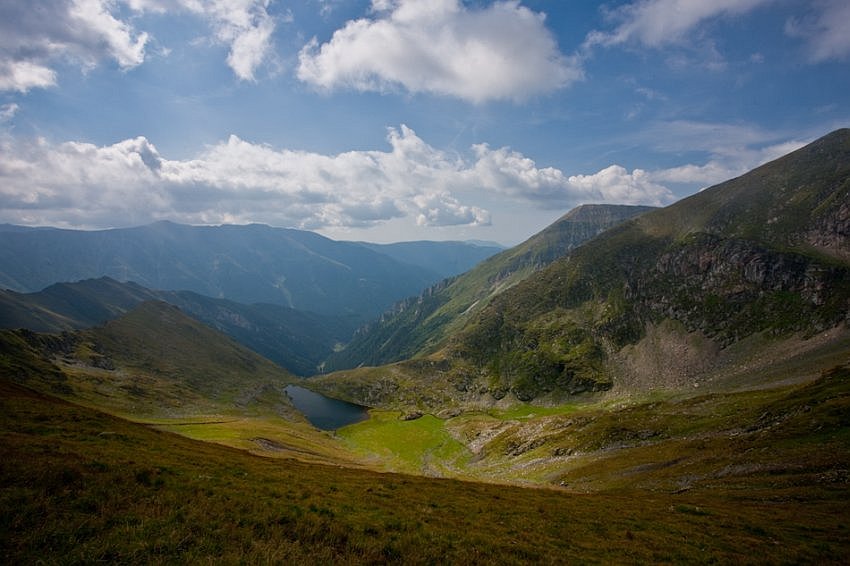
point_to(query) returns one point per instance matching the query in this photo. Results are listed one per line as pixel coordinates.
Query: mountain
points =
(417, 325)
(152, 361)
(247, 264)
(71, 306)
(734, 284)
(445, 258)
(296, 340)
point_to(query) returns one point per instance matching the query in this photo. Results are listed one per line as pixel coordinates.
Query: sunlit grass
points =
(526, 411)
(422, 445)
(267, 436)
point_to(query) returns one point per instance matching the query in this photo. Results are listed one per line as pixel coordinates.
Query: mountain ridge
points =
(249, 264)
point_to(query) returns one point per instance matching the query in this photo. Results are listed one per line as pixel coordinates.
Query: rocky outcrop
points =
(832, 234)
(731, 288)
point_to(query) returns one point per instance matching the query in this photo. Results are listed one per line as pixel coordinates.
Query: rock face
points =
(731, 288)
(832, 235)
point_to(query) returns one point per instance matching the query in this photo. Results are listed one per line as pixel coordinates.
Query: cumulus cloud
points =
(616, 184)
(245, 25)
(130, 182)
(36, 35)
(33, 35)
(825, 30)
(22, 76)
(656, 22)
(502, 51)
(513, 174)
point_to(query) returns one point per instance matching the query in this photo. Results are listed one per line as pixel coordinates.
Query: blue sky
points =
(389, 120)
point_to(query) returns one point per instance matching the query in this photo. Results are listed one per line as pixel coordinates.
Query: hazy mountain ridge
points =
(447, 258)
(248, 264)
(417, 325)
(757, 255)
(296, 340)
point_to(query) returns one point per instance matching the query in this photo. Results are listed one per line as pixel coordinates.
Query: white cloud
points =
(825, 30)
(76, 183)
(34, 35)
(21, 76)
(8, 111)
(100, 30)
(513, 174)
(656, 22)
(732, 151)
(616, 184)
(503, 51)
(245, 25)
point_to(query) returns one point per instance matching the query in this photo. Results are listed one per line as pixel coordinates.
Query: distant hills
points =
(247, 264)
(741, 278)
(417, 325)
(296, 340)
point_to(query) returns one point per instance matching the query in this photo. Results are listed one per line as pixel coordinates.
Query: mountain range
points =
(248, 264)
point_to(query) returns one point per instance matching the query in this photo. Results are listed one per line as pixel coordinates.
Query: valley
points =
(82, 486)
(632, 384)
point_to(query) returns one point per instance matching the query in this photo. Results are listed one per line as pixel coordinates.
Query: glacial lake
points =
(323, 412)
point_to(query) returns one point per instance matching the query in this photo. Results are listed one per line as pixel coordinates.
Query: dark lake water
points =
(323, 412)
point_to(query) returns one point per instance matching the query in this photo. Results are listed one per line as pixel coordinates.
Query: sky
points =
(394, 120)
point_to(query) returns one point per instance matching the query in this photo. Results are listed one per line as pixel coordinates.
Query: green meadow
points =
(80, 486)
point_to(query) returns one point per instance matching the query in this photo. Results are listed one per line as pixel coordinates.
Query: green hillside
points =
(419, 325)
(70, 306)
(157, 366)
(713, 263)
(744, 274)
(156, 361)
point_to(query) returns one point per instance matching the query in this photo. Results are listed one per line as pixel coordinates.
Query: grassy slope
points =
(777, 440)
(158, 366)
(80, 486)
